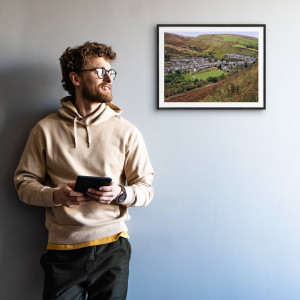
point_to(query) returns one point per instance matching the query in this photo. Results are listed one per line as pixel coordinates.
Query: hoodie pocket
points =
(88, 214)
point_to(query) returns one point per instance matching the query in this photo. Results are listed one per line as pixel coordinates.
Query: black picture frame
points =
(211, 66)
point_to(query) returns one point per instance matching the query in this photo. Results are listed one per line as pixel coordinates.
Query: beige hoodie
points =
(64, 145)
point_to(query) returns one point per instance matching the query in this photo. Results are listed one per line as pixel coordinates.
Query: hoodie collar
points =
(104, 112)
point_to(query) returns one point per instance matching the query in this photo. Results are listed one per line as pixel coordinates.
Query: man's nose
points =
(107, 78)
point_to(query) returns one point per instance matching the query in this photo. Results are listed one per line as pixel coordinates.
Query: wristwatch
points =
(122, 196)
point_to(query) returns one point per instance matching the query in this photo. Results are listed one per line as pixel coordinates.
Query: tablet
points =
(83, 183)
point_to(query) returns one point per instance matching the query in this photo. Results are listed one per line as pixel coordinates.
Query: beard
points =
(96, 95)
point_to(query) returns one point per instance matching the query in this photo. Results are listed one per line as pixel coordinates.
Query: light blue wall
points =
(224, 223)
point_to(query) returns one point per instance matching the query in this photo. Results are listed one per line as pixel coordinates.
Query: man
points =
(88, 248)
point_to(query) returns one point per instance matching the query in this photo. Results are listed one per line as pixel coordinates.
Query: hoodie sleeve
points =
(139, 173)
(31, 172)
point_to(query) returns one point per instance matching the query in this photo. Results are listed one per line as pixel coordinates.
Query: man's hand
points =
(105, 194)
(67, 197)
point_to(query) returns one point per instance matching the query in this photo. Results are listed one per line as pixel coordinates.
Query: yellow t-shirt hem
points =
(102, 241)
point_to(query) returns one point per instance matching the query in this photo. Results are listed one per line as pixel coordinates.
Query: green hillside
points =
(175, 39)
(210, 45)
(241, 87)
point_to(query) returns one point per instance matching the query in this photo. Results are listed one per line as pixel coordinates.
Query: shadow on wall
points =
(26, 97)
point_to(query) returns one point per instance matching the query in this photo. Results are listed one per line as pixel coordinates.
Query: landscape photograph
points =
(211, 68)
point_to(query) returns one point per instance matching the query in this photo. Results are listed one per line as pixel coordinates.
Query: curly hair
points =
(74, 59)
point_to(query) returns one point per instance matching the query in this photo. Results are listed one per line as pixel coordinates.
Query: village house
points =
(195, 64)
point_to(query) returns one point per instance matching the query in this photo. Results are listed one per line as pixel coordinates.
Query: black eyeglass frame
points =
(105, 72)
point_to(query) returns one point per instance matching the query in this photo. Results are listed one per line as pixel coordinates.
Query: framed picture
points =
(211, 66)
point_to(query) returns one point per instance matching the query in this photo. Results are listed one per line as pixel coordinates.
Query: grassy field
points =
(203, 76)
(238, 39)
(244, 47)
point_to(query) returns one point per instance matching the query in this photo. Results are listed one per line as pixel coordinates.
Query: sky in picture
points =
(196, 33)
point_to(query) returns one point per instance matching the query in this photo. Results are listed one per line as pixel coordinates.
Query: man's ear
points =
(75, 78)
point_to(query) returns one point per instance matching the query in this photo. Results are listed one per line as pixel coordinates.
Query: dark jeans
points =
(101, 272)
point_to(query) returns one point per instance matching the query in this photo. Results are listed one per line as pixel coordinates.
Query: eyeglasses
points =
(102, 72)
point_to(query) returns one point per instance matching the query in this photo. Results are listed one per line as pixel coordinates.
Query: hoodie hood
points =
(104, 112)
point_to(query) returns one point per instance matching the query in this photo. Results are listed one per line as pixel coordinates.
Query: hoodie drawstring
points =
(75, 132)
(88, 131)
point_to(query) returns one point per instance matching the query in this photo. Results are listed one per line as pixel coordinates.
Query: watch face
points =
(121, 198)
